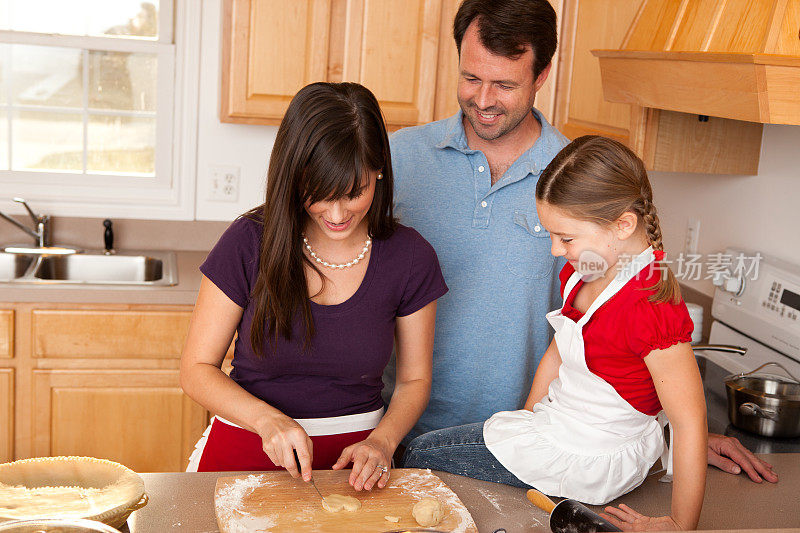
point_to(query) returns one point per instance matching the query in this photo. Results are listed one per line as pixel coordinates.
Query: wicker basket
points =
(64, 477)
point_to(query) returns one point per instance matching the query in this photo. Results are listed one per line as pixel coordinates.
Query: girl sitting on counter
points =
(318, 283)
(621, 353)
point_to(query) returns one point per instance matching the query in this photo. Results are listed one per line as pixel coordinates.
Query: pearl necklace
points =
(334, 265)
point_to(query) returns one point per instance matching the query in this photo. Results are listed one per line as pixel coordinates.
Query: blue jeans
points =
(459, 450)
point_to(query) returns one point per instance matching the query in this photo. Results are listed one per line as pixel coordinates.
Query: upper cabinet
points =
(272, 48)
(267, 58)
(582, 110)
(403, 51)
(666, 140)
(392, 47)
(737, 59)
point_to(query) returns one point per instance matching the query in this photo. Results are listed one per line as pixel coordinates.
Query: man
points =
(467, 185)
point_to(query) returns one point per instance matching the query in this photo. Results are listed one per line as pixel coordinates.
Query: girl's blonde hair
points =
(598, 179)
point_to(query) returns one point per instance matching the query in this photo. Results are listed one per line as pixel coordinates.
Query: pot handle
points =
(749, 408)
(768, 364)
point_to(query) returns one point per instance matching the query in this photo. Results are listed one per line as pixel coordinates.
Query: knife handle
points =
(541, 501)
(297, 462)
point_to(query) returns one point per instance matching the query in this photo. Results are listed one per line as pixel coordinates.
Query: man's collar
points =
(454, 134)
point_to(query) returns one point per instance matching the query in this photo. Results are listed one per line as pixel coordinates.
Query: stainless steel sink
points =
(127, 268)
(13, 266)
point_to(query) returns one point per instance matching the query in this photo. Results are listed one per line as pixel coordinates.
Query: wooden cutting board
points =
(274, 501)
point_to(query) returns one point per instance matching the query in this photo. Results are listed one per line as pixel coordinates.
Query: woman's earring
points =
(380, 175)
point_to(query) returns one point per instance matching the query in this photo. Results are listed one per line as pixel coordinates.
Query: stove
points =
(758, 309)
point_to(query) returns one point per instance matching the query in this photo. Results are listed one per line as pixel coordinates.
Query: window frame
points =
(169, 194)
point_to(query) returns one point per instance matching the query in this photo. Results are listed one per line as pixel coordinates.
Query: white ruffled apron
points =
(583, 440)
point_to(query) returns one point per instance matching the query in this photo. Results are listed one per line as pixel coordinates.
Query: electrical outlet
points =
(692, 236)
(224, 186)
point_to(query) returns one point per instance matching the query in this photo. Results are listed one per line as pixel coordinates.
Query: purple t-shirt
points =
(340, 373)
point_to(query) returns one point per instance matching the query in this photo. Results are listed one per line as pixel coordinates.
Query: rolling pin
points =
(570, 515)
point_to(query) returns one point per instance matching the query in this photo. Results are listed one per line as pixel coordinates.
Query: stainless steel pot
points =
(764, 404)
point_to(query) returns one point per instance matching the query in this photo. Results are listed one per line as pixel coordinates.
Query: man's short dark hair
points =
(507, 27)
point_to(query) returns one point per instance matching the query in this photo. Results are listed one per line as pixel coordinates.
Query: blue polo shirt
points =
(491, 330)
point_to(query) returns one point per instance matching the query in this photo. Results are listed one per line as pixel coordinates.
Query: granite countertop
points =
(184, 293)
(184, 501)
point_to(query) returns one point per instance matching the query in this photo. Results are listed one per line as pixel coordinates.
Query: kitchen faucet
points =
(41, 233)
(729, 348)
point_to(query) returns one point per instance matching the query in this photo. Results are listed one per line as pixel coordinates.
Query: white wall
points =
(245, 146)
(756, 213)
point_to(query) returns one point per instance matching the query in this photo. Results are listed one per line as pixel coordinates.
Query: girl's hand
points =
(627, 519)
(280, 438)
(371, 460)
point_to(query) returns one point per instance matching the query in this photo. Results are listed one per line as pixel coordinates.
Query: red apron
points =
(226, 447)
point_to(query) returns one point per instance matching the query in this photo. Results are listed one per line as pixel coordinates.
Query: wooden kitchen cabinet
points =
(139, 418)
(6, 385)
(99, 380)
(102, 334)
(587, 25)
(6, 415)
(6, 333)
(266, 58)
(272, 48)
(665, 140)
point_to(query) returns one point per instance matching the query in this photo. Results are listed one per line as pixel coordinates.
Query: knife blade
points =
(297, 461)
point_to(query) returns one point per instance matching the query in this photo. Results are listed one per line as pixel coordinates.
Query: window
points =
(88, 104)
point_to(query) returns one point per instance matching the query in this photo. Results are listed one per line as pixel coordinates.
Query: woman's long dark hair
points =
(330, 135)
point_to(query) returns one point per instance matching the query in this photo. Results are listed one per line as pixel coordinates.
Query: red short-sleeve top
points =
(627, 328)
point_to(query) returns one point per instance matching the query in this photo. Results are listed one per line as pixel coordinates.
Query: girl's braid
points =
(650, 218)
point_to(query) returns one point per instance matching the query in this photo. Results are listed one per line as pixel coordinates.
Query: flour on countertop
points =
(230, 498)
(490, 498)
(430, 486)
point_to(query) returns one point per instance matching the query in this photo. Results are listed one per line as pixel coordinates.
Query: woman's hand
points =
(281, 436)
(371, 459)
(627, 519)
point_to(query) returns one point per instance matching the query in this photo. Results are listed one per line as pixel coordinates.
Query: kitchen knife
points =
(297, 461)
(570, 515)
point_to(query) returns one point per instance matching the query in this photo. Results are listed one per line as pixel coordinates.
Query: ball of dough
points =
(428, 512)
(337, 502)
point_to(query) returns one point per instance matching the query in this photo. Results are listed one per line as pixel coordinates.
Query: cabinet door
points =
(581, 108)
(139, 418)
(446, 102)
(6, 415)
(6, 333)
(270, 50)
(391, 47)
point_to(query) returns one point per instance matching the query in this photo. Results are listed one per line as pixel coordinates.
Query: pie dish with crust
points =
(70, 487)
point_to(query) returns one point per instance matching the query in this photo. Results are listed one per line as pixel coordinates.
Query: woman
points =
(318, 283)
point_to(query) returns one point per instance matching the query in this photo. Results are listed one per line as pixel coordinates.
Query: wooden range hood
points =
(737, 59)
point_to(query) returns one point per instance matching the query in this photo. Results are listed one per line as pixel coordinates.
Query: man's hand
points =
(728, 454)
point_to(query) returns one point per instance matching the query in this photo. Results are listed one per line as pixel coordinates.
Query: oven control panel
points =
(763, 302)
(783, 301)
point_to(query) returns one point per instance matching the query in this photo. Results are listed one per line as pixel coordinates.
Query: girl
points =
(620, 353)
(318, 283)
